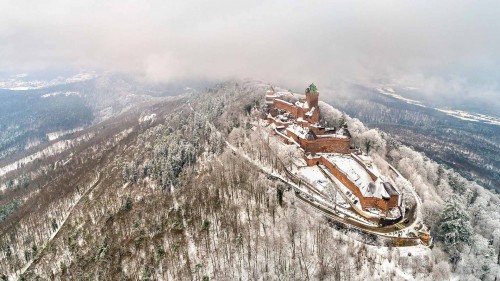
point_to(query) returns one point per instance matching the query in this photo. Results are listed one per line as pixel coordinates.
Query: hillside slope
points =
(156, 194)
(36, 116)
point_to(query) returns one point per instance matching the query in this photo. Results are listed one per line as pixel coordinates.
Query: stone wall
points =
(287, 107)
(315, 160)
(326, 145)
(296, 112)
(323, 145)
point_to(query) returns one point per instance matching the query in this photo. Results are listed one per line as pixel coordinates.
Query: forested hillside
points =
(26, 119)
(33, 117)
(156, 193)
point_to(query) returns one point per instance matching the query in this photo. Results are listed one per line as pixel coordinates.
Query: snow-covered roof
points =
(284, 101)
(376, 189)
(390, 189)
(272, 95)
(333, 136)
(298, 130)
(368, 162)
(280, 117)
(301, 104)
(351, 168)
(365, 158)
(360, 177)
(310, 112)
(282, 93)
(312, 173)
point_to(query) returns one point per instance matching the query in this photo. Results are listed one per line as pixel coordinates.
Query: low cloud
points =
(450, 47)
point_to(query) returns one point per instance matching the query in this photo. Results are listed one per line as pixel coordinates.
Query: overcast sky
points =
(449, 47)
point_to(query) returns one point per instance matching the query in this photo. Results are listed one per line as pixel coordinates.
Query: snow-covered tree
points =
(454, 225)
(371, 140)
(454, 228)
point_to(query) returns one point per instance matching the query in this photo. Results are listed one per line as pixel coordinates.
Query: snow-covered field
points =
(392, 93)
(460, 114)
(55, 148)
(146, 118)
(475, 117)
(66, 94)
(21, 82)
(55, 135)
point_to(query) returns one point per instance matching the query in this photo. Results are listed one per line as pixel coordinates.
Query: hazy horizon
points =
(448, 50)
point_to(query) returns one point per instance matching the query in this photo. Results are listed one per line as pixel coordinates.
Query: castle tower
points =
(312, 96)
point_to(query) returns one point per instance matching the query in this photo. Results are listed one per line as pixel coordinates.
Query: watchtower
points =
(312, 96)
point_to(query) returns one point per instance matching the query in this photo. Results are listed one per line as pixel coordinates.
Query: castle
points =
(297, 122)
(300, 121)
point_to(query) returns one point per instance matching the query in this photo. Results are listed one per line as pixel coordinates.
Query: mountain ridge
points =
(174, 203)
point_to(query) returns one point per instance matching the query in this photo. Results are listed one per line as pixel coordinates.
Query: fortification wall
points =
(326, 145)
(297, 112)
(373, 202)
(312, 161)
(286, 106)
(323, 145)
(283, 137)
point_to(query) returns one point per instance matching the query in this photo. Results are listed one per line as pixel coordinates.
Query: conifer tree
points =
(454, 228)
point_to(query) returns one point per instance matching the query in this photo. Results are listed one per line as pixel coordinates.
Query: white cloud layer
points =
(448, 46)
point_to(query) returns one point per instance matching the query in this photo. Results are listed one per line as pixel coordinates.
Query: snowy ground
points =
(55, 148)
(471, 116)
(55, 135)
(66, 94)
(460, 114)
(22, 82)
(392, 93)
